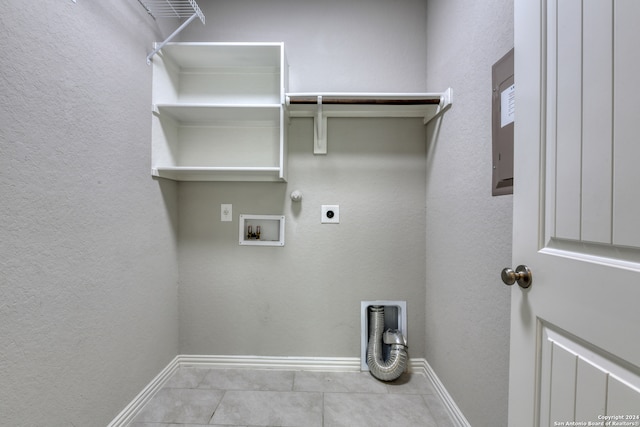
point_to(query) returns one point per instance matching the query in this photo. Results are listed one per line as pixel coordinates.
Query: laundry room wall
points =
(468, 233)
(303, 299)
(88, 252)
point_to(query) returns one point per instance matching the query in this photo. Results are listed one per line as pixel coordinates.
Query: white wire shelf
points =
(172, 9)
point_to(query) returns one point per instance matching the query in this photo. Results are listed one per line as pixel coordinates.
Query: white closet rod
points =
(329, 100)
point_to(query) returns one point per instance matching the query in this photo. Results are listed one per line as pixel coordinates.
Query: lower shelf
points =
(195, 173)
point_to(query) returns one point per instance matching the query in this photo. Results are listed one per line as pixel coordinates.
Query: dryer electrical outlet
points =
(330, 214)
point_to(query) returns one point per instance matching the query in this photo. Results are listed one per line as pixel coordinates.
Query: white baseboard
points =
(339, 364)
(331, 364)
(131, 410)
(421, 365)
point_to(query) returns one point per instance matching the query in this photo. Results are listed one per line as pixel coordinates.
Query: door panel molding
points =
(590, 81)
(607, 255)
(576, 379)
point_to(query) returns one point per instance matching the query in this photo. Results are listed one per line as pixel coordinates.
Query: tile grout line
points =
(224, 393)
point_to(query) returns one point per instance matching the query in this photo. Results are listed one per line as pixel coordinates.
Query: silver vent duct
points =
(395, 365)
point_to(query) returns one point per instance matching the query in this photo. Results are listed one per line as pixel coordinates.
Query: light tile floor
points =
(195, 397)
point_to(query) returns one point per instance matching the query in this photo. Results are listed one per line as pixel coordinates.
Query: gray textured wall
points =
(88, 270)
(469, 232)
(332, 45)
(304, 299)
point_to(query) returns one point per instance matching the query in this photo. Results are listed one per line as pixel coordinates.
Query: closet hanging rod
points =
(324, 105)
(328, 100)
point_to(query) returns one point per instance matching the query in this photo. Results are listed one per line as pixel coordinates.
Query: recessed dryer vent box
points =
(261, 230)
(395, 317)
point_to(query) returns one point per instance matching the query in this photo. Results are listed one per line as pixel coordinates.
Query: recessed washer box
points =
(261, 230)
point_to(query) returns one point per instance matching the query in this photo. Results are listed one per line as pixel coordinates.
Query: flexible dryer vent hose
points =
(394, 366)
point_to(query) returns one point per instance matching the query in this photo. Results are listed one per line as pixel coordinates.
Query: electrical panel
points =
(503, 119)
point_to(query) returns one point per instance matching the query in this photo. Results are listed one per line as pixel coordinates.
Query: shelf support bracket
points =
(175, 33)
(445, 103)
(320, 125)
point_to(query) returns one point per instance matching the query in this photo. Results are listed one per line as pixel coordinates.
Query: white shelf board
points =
(215, 113)
(224, 55)
(195, 173)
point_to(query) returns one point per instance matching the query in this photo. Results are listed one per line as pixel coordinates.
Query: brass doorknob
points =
(522, 275)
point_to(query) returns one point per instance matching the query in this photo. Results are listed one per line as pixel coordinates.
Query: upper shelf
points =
(172, 9)
(337, 104)
(227, 55)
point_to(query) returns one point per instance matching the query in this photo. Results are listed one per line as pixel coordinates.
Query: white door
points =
(575, 333)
